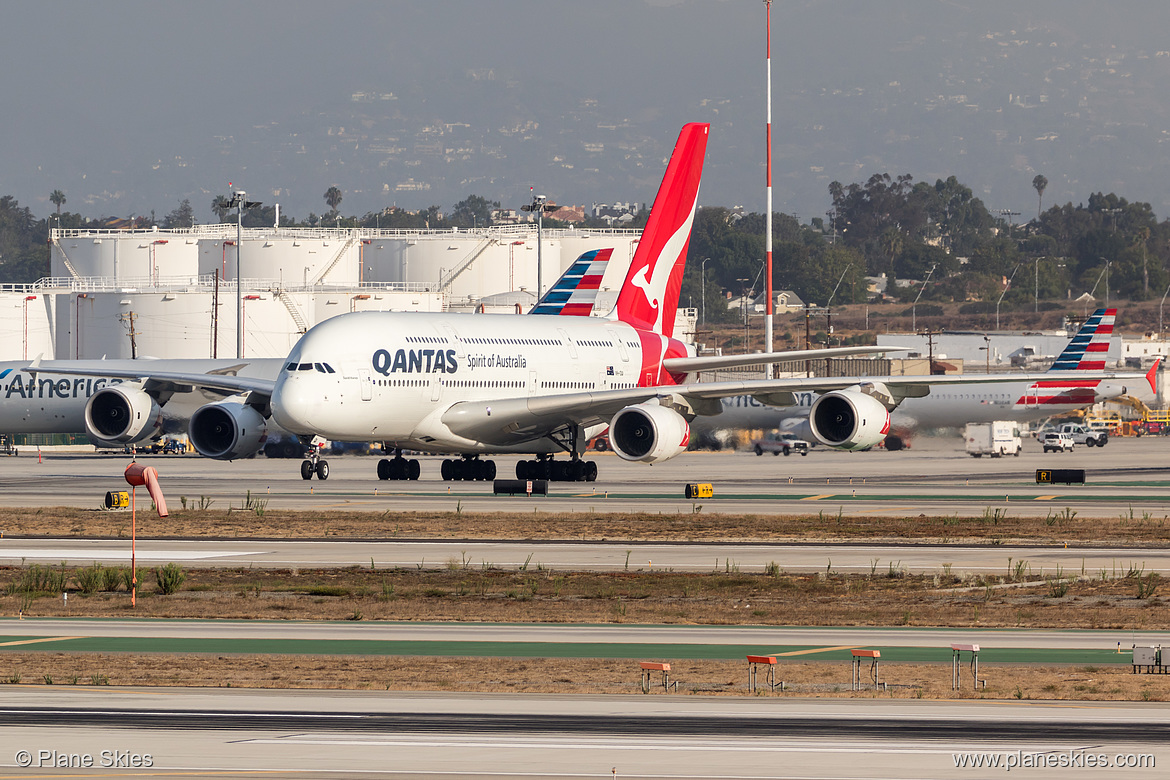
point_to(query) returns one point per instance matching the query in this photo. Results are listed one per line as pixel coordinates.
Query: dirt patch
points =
(888, 597)
(1145, 529)
(578, 676)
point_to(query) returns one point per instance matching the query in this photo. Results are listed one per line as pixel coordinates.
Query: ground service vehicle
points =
(1055, 441)
(998, 438)
(780, 443)
(1082, 435)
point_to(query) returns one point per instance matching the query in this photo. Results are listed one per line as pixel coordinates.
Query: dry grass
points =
(1070, 527)
(578, 676)
(888, 597)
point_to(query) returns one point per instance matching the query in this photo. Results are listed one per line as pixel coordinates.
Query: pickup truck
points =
(777, 443)
(1082, 435)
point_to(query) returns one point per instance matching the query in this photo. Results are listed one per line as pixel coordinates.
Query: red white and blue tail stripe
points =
(1087, 350)
(575, 293)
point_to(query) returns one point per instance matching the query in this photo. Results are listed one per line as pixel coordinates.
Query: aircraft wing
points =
(177, 380)
(515, 420)
(712, 362)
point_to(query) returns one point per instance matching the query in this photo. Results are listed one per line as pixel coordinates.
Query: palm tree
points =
(333, 198)
(58, 199)
(221, 205)
(1039, 184)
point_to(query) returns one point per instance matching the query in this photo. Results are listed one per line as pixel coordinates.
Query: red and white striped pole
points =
(769, 312)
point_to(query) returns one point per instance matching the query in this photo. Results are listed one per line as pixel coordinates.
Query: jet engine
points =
(849, 420)
(227, 430)
(648, 433)
(122, 414)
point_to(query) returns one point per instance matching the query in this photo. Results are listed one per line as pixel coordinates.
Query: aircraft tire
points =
(384, 469)
(306, 469)
(413, 469)
(322, 470)
(521, 469)
(489, 470)
(590, 471)
(446, 471)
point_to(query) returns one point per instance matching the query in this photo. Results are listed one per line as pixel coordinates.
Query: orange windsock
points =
(146, 475)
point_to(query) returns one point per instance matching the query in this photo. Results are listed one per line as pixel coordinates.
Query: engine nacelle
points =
(227, 430)
(648, 433)
(122, 414)
(1108, 390)
(848, 420)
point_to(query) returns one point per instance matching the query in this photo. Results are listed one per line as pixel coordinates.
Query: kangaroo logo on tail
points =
(649, 298)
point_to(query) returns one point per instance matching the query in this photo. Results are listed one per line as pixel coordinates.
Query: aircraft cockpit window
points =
(328, 368)
(291, 367)
(305, 367)
(320, 368)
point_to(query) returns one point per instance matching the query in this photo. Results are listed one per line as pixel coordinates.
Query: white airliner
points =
(476, 384)
(137, 406)
(1064, 388)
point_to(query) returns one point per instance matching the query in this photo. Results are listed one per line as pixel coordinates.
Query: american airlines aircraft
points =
(472, 385)
(1063, 390)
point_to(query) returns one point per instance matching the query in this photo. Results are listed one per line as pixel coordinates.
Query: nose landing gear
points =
(313, 462)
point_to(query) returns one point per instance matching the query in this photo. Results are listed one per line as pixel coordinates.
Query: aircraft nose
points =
(294, 407)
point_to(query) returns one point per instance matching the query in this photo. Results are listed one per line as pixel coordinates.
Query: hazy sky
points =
(120, 103)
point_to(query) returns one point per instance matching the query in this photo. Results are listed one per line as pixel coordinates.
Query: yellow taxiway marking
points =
(37, 641)
(1045, 498)
(818, 650)
(818, 498)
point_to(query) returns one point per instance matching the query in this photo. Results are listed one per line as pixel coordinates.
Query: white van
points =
(997, 438)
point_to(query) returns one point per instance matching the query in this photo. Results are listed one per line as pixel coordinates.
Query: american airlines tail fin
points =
(649, 297)
(575, 293)
(1087, 350)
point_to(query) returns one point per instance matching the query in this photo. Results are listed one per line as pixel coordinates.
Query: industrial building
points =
(173, 293)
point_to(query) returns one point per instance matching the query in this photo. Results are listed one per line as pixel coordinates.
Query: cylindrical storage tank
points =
(123, 325)
(26, 321)
(289, 261)
(142, 258)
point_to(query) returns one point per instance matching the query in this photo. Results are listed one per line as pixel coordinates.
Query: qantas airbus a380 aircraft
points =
(476, 384)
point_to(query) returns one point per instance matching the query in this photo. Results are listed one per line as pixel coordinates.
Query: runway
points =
(936, 476)
(849, 558)
(326, 734)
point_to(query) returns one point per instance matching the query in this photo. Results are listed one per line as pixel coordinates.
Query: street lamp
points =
(540, 205)
(239, 201)
(913, 306)
(1006, 287)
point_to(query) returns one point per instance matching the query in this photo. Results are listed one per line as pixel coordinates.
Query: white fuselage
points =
(55, 403)
(383, 376)
(944, 407)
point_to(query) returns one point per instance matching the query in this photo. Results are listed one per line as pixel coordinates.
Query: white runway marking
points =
(107, 554)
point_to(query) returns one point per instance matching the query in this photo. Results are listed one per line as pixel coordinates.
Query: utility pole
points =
(129, 318)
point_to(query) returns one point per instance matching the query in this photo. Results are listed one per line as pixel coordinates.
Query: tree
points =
(1039, 184)
(476, 211)
(182, 217)
(220, 206)
(58, 199)
(333, 198)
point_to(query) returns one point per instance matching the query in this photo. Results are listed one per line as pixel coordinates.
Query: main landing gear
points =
(398, 467)
(468, 467)
(544, 467)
